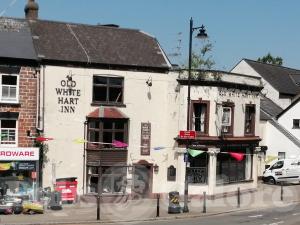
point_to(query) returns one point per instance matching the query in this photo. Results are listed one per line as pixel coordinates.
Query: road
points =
(275, 216)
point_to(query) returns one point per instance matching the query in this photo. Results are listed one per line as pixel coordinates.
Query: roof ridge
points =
(89, 25)
(267, 64)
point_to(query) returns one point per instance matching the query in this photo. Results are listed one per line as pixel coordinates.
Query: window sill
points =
(108, 104)
(235, 182)
(10, 103)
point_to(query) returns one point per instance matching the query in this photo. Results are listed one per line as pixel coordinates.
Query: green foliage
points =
(271, 60)
(202, 59)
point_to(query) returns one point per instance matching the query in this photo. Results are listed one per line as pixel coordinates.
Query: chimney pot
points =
(31, 10)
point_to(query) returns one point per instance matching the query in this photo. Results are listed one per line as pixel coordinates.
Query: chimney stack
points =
(31, 10)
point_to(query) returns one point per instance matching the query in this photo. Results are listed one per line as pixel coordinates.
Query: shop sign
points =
(26, 166)
(145, 138)
(19, 154)
(187, 134)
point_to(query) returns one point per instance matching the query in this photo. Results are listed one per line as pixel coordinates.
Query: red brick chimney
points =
(31, 10)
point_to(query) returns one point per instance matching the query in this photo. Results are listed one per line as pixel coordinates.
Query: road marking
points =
(276, 223)
(255, 216)
(296, 214)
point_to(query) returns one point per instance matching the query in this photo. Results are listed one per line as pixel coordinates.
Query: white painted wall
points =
(286, 120)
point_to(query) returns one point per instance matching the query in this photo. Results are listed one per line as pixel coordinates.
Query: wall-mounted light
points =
(149, 81)
(156, 168)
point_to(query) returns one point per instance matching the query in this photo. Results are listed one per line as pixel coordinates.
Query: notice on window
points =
(145, 138)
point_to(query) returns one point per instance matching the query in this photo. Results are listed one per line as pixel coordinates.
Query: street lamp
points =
(201, 35)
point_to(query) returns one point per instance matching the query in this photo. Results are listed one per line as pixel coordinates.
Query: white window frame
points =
(228, 124)
(16, 100)
(16, 134)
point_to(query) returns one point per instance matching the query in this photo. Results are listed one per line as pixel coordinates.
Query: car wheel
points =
(271, 180)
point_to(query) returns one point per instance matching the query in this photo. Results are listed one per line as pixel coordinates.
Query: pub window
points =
(200, 116)
(227, 119)
(197, 172)
(108, 90)
(8, 129)
(296, 123)
(9, 88)
(102, 132)
(113, 179)
(250, 119)
(171, 173)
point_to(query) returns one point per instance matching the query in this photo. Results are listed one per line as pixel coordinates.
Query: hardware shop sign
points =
(19, 154)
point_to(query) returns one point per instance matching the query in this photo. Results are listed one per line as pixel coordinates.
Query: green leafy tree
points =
(271, 60)
(202, 58)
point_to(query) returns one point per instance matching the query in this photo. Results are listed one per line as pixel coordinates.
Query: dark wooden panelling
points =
(107, 157)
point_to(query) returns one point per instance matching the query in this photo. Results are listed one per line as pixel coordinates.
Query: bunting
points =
(119, 144)
(79, 141)
(42, 139)
(158, 148)
(194, 152)
(237, 156)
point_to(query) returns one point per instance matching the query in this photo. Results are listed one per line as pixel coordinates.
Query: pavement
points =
(266, 196)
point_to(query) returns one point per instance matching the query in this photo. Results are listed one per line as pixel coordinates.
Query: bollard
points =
(157, 206)
(98, 207)
(238, 197)
(281, 191)
(204, 202)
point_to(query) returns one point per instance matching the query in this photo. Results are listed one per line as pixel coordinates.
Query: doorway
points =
(142, 180)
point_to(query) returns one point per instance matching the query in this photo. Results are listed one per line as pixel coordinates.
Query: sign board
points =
(26, 166)
(187, 134)
(145, 138)
(19, 154)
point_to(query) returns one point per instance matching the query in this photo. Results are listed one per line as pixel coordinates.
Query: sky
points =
(237, 28)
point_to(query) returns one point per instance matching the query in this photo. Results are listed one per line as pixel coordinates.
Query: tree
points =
(271, 60)
(202, 59)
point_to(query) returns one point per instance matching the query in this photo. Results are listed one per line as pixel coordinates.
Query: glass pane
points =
(4, 134)
(119, 125)
(13, 92)
(9, 80)
(107, 137)
(115, 94)
(94, 136)
(100, 80)
(119, 183)
(99, 94)
(119, 136)
(107, 125)
(107, 184)
(94, 124)
(8, 123)
(5, 91)
(115, 81)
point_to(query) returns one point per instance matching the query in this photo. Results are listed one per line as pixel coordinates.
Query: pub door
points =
(142, 181)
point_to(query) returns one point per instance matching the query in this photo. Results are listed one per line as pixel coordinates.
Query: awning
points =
(107, 112)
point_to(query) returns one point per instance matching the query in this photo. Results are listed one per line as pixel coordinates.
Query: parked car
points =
(284, 170)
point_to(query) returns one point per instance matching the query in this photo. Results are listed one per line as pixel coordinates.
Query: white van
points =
(286, 170)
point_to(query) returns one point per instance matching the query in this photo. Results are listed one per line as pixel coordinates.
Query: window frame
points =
(15, 144)
(230, 128)
(108, 86)
(16, 100)
(100, 129)
(252, 121)
(206, 119)
(296, 127)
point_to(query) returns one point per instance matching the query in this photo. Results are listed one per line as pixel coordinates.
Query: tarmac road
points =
(277, 216)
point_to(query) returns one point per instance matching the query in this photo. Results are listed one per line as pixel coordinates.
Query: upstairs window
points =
(9, 88)
(108, 90)
(200, 117)
(8, 132)
(250, 120)
(227, 119)
(296, 123)
(102, 132)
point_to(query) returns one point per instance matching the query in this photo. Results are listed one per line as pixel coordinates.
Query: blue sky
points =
(238, 29)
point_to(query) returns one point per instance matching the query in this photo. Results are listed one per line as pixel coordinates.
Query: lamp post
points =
(201, 35)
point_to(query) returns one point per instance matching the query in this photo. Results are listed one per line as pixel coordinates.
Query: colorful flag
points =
(270, 158)
(194, 152)
(159, 148)
(119, 144)
(42, 139)
(79, 141)
(237, 156)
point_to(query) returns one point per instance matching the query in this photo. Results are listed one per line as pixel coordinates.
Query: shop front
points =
(19, 172)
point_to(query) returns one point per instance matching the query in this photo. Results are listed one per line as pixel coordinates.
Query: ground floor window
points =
(18, 179)
(197, 172)
(112, 179)
(236, 167)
